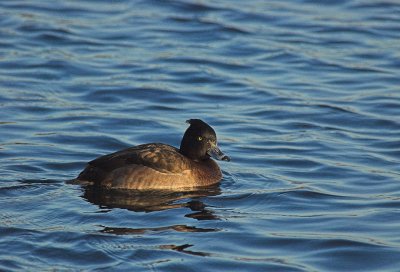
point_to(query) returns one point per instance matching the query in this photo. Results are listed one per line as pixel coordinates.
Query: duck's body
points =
(159, 166)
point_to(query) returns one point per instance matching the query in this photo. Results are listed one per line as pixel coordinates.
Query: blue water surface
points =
(304, 96)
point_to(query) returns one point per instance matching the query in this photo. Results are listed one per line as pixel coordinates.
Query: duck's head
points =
(200, 142)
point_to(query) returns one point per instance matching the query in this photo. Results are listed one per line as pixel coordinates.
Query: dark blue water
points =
(304, 96)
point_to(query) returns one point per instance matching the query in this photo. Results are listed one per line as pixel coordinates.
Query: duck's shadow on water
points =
(154, 200)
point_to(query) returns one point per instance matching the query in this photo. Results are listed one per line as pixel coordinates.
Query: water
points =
(304, 96)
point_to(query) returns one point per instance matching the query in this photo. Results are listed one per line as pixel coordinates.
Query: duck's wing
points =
(160, 157)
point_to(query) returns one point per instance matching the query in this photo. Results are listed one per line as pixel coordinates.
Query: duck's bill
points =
(216, 153)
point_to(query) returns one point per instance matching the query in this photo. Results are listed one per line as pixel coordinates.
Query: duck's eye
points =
(199, 138)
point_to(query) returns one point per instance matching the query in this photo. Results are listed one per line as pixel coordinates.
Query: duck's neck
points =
(187, 150)
(189, 154)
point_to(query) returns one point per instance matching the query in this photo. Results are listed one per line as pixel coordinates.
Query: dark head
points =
(200, 142)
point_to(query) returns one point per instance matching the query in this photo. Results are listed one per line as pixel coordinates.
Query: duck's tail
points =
(91, 175)
(78, 181)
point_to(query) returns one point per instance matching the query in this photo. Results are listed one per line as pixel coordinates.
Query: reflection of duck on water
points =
(153, 200)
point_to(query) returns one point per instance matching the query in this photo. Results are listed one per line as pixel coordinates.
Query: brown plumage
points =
(160, 166)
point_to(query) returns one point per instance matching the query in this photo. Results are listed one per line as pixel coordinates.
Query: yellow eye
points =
(199, 138)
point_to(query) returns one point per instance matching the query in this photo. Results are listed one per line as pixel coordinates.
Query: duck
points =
(156, 166)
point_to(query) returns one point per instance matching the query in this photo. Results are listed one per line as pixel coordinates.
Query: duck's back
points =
(149, 166)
